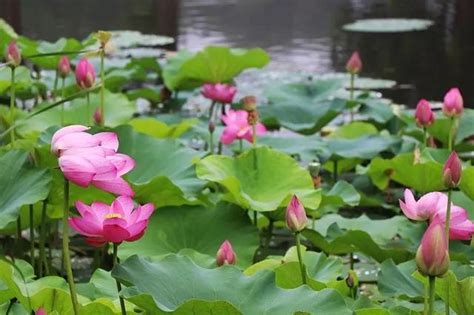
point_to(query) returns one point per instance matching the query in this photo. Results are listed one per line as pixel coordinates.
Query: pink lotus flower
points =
(12, 54)
(85, 74)
(432, 257)
(432, 207)
(452, 171)
(41, 311)
(237, 127)
(219, 92)
(119, 222)
(295, 215)
(453, 104)
(226, 254)
(87, 159)
(354, 64)
(424, 115)
(64, 66)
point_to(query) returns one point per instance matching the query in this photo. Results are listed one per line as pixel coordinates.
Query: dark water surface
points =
(299, 34)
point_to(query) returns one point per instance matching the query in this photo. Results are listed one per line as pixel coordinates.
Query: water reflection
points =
(299, 34)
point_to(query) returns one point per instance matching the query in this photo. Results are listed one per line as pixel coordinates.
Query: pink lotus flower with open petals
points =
(432, 207)
(237, 127)
(219, 92)
(119, 222)
(87, 159)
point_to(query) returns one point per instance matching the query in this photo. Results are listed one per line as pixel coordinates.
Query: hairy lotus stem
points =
(55, 86)
(42, 241)
(211, 121)
(102, 88)
(425, 140)
(63, 93)
(89, 114)
(451, 134)
(119, 286)
(12, 105)
(351, 260)
(448, 218)
(431, 294)
(300, 258)
(32, 238)
(254, 143)
(66, 254)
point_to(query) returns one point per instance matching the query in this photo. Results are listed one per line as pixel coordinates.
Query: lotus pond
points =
(203, 183)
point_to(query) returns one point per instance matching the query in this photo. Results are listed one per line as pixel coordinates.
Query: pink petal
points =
(82, 208)
(229, 134)
(74, 140)
(122, 162)
(77, 170)
(261, 130)
(115, 230)
(116, 186)
(108, 140)
(100, 209)
(136, 230)
(123, 205)
(86, 228)
(142, 213)
(96, 241)
(66, 130)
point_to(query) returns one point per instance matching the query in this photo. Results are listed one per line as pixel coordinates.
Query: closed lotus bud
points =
(85, 74)
(314, 167)
(64, 66)
(211, 126)
(249, 103)
(41, 311)
(432, 257)
(423, 114)
(226, 254)
(354, 64)
(453, 104)
(452, 171)
(98, 116)
(12, 54)
(295, 215)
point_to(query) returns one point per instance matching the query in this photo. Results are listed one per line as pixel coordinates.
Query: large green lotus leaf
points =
(158, 129)
(172, 72)
(461, 292)
(265, 188)
(378, 109)
(306, 93)
(440, 128)
(303, 148)
(353, 130)
(365, 147)
(7, 33)
(201, 229)
(20, 184)
(164, 173)
(118, 110)
(422, 176)
(217, 64)
(116, 78)
(380, 239)
(128, 39)
(397, 280)
(467, 184)
(44, 47)
(167, 285)
(341, 194)
(388, 25)
(51, 292)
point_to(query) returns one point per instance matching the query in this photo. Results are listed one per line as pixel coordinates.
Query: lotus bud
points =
(249, 103)
(423, 114)
(41, 311)
(212, 127)
(354, 64)
(452, 171)
(295, 215)
(352, 280)
(314, 167)
(453, 104)
(64, 66)
(85, 74)
(98, 116)
(432, 257)
(226, 254)
(13, 54)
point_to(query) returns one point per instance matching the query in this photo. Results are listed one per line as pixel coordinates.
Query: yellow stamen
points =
(113, 215)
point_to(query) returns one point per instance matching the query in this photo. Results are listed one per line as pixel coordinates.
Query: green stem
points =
(254, 144)
(335, 175)
(255, 218)
(425, 140)
(63, 93)
(241, 146)
(269, 236)
(351, 260)
(448, 219)
(89, 114)
(42, 240)
(211, 120)
(66, 254)
(119, 286)
(351, 96)
(102, 88)
(12, 104)
(431, 295)
(300, 258)
(32, 238)
(55, 87)
(450, 135)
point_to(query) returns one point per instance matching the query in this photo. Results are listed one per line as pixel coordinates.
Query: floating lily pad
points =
(389, 25)
(128, 39)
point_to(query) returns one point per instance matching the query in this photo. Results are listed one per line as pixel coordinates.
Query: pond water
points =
(299, 34)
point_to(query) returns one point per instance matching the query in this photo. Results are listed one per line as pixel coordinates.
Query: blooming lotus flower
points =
(12, 54)
(237, 127)
(354, 64)
(453, 104)
(452, 171)
(41, 311)
(72, 137)
(219, 92)
(295, 215)
(432, 207)
(85, 74)
(424, 115)
(225, 254)
(432, 256)
(64, 66)
(119, 222)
